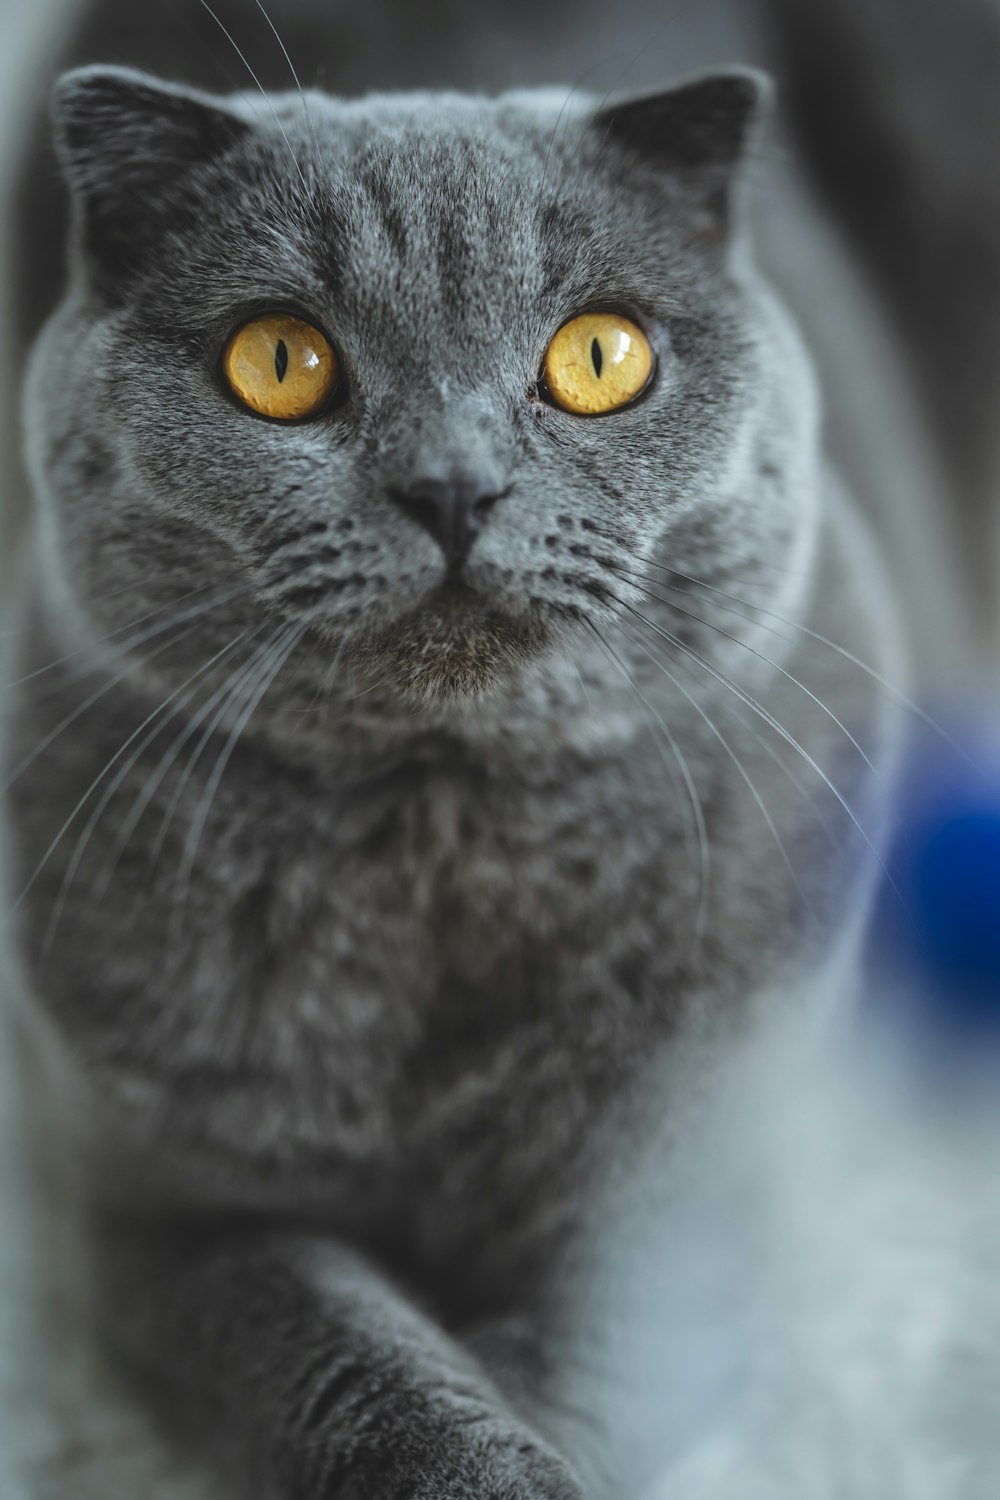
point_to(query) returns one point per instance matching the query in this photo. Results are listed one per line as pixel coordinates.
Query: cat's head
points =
(436, 375)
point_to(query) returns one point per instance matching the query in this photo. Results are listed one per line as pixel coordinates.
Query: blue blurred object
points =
(955, 884)
(938, 933)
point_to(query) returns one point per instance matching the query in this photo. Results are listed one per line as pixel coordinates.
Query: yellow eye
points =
(280, 367)
(597, 363)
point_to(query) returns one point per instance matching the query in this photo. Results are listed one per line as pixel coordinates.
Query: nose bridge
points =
(447, 439)
(445, 465)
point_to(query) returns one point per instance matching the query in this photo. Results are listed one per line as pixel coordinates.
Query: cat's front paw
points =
(473, 1460)
(521, 1468)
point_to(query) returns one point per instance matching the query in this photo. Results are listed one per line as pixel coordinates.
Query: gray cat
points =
(406, 756)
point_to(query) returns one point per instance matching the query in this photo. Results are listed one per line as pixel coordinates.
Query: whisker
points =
(732, 555)
(744, 773)
(559, 118)
(678, 10)
(181, 18)
(267, 98)
(766, 659)
(768, 718)
(787, 771)
(775, 630)
(711, 541)
(627, 67)
(116, 782)
(71, 819)
(704, 847)
(326, 683)
(372, 688)
(579, 675)
(628, 63)
(895, 694)
(113, 682)
(291, 68)
(102, 639)
(156, 778)
(221, 702)
(136, 583)
(281, 648)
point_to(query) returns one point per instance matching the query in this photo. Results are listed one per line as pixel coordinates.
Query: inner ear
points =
(697, 131)
(128, 146)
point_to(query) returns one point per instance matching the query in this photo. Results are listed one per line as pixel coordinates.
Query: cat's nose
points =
(452, 510)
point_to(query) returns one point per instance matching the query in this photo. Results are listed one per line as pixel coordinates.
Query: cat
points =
(398, 786)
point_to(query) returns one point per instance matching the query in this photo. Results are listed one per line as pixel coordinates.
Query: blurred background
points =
(876, 198)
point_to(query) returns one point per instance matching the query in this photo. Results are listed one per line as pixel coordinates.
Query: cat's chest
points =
(437, 959)
(448, 880)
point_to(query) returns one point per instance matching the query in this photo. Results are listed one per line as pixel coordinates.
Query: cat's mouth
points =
(454, 595)
(456, 642)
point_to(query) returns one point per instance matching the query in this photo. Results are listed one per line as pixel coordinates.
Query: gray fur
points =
(366, 1012)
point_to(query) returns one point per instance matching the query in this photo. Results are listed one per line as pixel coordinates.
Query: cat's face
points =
(437, 244)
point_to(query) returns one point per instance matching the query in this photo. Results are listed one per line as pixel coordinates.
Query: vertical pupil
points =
(597, 357)
(281, 360)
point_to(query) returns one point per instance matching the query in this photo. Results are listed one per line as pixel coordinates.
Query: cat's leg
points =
(309, 1376)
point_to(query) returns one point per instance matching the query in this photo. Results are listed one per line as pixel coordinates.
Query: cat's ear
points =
(127, 144)
(698, 132)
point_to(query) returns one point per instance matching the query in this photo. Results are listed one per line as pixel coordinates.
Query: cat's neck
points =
(577, 700)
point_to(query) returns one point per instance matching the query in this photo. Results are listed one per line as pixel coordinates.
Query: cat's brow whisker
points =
(633, 58)
(727, 747)
(267, 98)
(277, 652)
(678, 10)
(180, 8)
(768, 718)
(698, 813)
(762, 656)
(627, 61)
(587, 73)
(171, 705)
(291, 68)
(895, 694)
(43, 744)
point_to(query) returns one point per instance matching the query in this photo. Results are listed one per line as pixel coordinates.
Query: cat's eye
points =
(282, 367)
(597, 363)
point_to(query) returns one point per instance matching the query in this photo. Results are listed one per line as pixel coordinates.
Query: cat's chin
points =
(456, 644)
